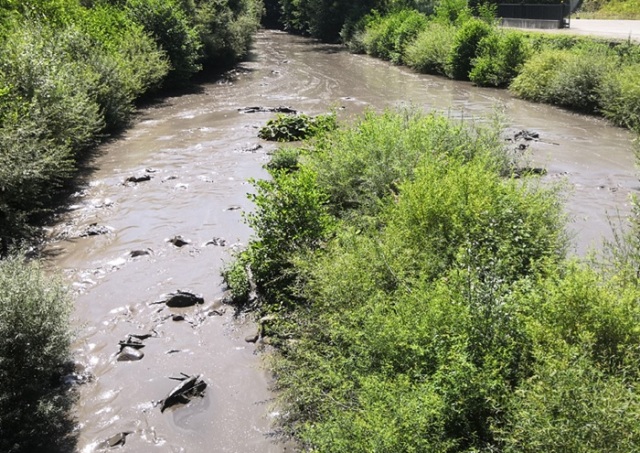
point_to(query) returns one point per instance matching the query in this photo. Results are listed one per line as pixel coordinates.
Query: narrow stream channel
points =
(199, 151)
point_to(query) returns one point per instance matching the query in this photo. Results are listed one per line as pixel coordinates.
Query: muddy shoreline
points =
(196, 153)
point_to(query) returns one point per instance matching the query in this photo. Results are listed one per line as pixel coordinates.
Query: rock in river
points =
(189, 388)
(180, 299)
(178, 241)
(94, 230)
(129, 354)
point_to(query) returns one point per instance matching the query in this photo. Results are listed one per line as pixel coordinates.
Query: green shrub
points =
(288, 128)
(167, 22)
(34, 348)
(452, 12)
(408, 340)
(386, 37)
(430, 50)
(361, 166)
(465, 48)
(619, 96)
(537, 75)
(284, 159)
(500, 59)
(226, 28)
(569, 406)
(290, 216)
(129, 61)
(236, 276)
(568, 78)
(438, 311)
(45, 69)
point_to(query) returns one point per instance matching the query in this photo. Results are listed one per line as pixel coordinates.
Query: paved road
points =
(614, 29)
(617, 29)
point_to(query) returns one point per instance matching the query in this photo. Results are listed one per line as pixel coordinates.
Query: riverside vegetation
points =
(420, 298)
(452, 39)
(71, 72)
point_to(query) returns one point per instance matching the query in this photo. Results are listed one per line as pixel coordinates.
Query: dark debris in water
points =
(280, 109)
(180, 299)
(94, 230)
(191, 387)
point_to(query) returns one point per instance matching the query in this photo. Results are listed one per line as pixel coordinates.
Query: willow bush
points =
(425, 303)
(34, 350)
(429, 52)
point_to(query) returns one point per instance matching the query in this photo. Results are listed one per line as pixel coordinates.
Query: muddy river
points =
(195, 153)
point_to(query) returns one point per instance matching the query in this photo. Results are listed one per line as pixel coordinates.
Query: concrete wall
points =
(531, 23)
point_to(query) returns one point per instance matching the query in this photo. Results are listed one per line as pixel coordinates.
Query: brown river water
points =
(199, 151)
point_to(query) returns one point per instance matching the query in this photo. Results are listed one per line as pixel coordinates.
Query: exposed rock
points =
(216, 241)
(180, 299)
(135, 179)
(526, 135)
(177, 318)
(142, 252)
(130, 354)
(189, 388)
(94, 230)
(234, 207)
(178, 241)
(252, 338)
(131, 342)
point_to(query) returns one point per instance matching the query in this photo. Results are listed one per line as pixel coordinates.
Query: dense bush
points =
(430, 50)
(34, 348)
(571, 78)
(430, 306)
(168, 23)
(386, 37)
(465, 48)
(500, 59)
(225, 29)
(620, 96)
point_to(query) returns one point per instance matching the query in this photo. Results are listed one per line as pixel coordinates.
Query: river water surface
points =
(199, 151)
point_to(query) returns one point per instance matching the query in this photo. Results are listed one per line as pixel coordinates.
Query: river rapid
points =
(199, 150)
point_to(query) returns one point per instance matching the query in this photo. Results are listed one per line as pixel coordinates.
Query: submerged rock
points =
(190, 387)
(117, 440)
(135, 179)
(180, 299)
(142, 252)
(216, 241)
(95, 230)
(251, 148)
